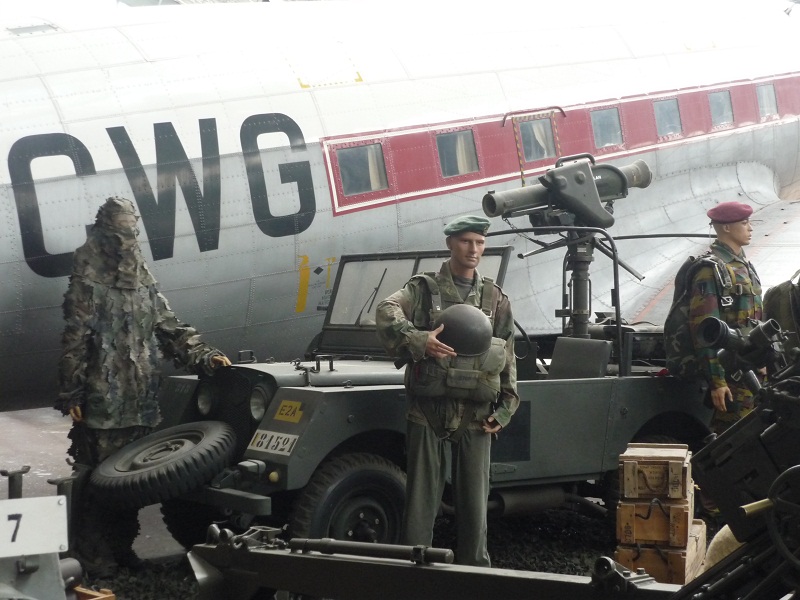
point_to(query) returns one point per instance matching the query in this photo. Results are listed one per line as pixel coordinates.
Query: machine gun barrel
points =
(417, 554)
(757, 507)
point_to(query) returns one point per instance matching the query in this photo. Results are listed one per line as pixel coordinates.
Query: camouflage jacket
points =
(705, 302)
(403, 322)
(112, 347)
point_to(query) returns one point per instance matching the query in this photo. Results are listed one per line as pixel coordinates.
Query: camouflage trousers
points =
(101, 535)
(743, 404)
(723, 420)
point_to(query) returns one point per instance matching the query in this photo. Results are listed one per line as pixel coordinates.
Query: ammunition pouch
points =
(475, 378)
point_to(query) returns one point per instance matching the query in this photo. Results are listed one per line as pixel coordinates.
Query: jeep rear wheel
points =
(165, 464)
(355, 497)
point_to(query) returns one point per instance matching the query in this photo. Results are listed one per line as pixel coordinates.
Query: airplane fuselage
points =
(242, 153)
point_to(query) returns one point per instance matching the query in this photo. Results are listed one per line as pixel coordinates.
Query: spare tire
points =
(165, 464)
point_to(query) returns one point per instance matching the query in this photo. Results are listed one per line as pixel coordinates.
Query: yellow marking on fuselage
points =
(302, 290)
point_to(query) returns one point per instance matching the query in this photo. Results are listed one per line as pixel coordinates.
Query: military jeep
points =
(318, 444)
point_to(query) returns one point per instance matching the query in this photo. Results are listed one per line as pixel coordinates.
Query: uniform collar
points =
(449, 291)
(726, 253)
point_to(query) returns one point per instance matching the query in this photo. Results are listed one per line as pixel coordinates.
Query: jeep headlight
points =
(206, 398)
(260, 398)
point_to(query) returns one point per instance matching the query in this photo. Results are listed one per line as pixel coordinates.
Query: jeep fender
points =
(305, 425)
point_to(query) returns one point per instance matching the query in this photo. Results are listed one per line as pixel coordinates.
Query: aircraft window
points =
(767, 105)
(457, 154)
(606, 127)
(537, 139)
(668, 117)
(362, 168)
(721, 108)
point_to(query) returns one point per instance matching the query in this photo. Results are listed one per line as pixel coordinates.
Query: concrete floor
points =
(38, 438)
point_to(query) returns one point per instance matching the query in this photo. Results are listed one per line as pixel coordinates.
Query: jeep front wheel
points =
(355, 497)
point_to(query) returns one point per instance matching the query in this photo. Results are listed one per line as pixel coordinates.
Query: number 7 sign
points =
(33, 526)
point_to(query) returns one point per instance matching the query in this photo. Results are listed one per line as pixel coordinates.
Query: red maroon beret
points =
(730, 212)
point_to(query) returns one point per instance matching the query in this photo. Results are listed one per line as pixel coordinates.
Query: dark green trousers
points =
(427, 472)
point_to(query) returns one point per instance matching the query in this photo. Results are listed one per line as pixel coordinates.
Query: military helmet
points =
(467, 330)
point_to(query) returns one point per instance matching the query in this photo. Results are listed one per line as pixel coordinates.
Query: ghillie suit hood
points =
(118, 326)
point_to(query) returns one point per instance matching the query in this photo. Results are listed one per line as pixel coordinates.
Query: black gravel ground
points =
(172, 580)
(556, 541)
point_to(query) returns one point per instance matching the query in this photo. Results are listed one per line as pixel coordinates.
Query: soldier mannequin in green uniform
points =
(731, 221)
(118, 325)
(440, 424)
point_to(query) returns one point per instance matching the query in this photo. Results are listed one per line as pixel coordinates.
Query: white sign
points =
(273, 442)
(33, 526)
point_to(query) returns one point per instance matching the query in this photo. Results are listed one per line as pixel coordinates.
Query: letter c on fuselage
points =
(20, 157)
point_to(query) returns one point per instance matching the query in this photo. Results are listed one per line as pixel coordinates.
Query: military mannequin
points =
(459, 420)
(731, 221)
(118, 326)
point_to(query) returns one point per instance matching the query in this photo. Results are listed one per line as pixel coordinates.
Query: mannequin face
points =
(736, 234)
(466, 250)
(124, 225)
(125, 221)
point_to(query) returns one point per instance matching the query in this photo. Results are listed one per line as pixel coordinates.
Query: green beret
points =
(467, 223)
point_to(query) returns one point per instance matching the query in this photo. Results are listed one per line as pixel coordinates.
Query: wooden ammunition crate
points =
(655, 471)
(665, 564)
(83, 593)
(655, 521)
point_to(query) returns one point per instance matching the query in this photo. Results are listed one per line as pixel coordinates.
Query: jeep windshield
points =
(363, 280)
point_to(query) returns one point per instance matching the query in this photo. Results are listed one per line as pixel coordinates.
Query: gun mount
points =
(575, 198)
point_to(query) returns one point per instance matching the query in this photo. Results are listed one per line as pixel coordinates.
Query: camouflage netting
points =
(118, 327)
